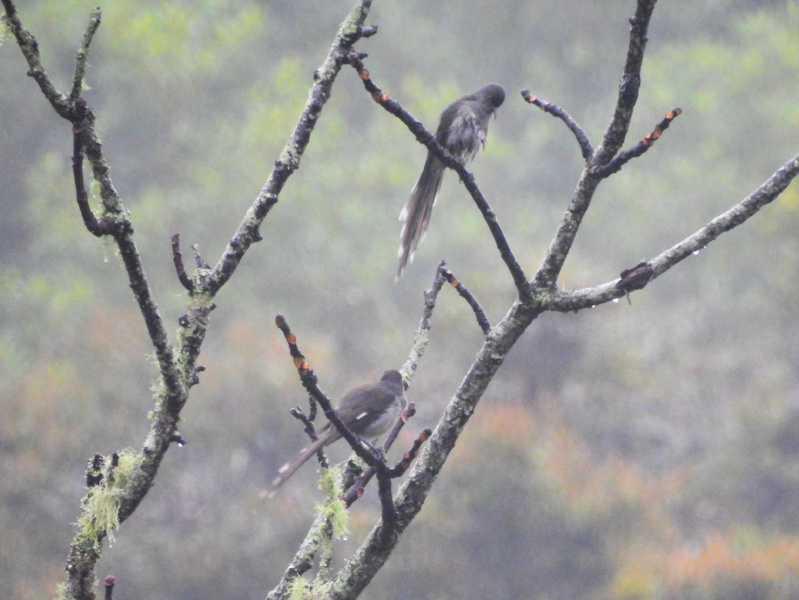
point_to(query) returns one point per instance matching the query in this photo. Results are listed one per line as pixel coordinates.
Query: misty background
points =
(640, 450)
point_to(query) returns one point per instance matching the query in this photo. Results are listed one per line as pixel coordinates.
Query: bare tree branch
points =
(421, 336)
(83, 54)
(548, 272)
(479, 313)
(30, 50)
(768, 191)
(621, 159)
(304, 557)
(579, 134)
(177, 375)
(179, 370)
(85, 549)
(630, 83)
(375, 550)
(177, 259)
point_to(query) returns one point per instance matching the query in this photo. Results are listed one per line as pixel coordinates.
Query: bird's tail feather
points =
(290, 468)
(417, 211)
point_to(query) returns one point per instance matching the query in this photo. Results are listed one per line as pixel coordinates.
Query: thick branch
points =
(303, 558)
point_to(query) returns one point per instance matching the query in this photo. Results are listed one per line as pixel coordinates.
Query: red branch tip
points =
(298, 357)
(653, 136)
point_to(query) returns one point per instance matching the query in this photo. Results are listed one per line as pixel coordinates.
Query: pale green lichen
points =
(101, 505)
(5, 28)
(333, 508)
(61, 592)
(301, 589)
(159, 392)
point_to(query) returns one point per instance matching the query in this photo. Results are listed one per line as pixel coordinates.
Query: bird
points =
(367, 410)
(462, 129)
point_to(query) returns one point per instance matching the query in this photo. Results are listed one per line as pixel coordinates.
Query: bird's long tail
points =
(416, 212)
(290, 468)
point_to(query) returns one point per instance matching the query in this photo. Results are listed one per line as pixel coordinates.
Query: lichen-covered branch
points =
(179, 373)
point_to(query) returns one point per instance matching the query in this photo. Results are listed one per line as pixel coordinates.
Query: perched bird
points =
(367, 410)
(462, 129)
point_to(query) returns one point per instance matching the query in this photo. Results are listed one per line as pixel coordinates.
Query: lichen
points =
(100, 516)
(333, 508)
(301, 589)
(61, 592)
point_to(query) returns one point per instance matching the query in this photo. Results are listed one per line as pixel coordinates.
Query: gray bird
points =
(462, 130)
(367, 410)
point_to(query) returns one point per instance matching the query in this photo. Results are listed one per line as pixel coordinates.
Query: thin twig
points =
(557, 111)
(622, 158)
(177, 258)
(109, 582)
(421, 337)
(402, 466)
(308, 425)
(83, 54)
(479, 313)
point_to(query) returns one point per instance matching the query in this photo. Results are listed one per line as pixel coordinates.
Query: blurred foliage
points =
(633, 451)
